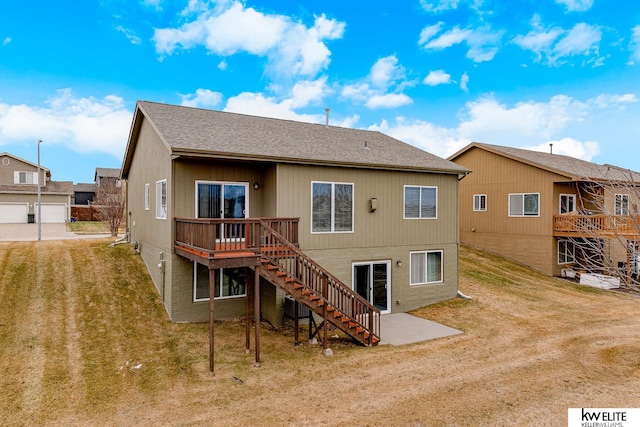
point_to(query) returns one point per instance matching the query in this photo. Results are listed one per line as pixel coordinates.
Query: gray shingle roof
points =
(109, 172)
(571, 167)
(190, 130)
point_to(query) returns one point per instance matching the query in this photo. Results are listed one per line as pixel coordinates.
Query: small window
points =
(420, 202)
(331, 207)
(622, 204)
(566, 252)
(425, 267)
(147, 197)
(567, 203)
(480, 202)
(25, 177)
(161, 199)
(229, 282)
(525, 204)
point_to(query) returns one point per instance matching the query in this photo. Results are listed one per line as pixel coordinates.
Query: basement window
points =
(229, 282)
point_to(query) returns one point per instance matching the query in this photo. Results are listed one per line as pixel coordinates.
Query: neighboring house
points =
(19, 192)
(107, 174)
(84, 193)
(346, 221)
(549, 211)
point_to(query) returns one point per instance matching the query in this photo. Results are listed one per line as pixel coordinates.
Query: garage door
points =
(13, 213)
(52, 213)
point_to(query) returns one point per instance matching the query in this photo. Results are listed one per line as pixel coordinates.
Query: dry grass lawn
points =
(84, 340)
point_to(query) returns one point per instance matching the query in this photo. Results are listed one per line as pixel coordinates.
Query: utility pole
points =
(39, 195)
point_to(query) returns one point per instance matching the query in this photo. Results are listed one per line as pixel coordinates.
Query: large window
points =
(147, 197)
(622, 204)
(566, 252)
(480, 202)
(161, 199)
(426, 267)
(525, 204)
(420, 202)
(332, 207)
(229, 282)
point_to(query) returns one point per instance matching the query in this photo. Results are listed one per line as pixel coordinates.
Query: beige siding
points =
(526, 239)
(15, 165)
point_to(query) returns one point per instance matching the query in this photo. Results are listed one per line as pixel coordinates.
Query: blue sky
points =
(438, 74)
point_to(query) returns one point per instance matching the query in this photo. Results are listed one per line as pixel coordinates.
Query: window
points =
(147, 197)
(524, 204)
(622, 204)
(480, 202)
(425, 267)
(567, 203)
(420, 202)
(25, 177)
(161, 199)
(229, 282)
(332, 207)
(566, 252)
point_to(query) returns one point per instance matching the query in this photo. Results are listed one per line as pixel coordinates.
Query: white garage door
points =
(13, 213)
(52, 213)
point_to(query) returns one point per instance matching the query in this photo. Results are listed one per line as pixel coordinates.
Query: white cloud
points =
(389, 100)
(634, 44)
(437, 77)
(130, 34)
(464, 82)
(203, 98)
(382, 87)
(585, 150)
(483, 43)
(6, 41)
(222, 65)
(290, 47)
(576, 5)
(555, 44)
(82, 124)
(439, 5)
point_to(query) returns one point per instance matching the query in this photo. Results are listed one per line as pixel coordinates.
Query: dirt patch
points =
(84, 340)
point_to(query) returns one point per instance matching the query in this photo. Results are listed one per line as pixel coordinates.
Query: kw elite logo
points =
(604, 417)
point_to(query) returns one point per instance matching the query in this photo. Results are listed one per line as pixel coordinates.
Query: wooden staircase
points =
(286, 266)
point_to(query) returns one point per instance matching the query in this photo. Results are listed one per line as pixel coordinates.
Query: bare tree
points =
(603, 228)
(110, 202)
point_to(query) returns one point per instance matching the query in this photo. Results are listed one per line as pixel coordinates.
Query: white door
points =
(13, 213)
(52, 212)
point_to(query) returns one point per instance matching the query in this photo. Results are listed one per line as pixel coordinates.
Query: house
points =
(346, 221)
(551, 212)
(19, 180)
(83, 193)
(107, 174)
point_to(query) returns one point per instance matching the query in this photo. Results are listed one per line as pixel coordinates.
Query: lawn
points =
(84, 340)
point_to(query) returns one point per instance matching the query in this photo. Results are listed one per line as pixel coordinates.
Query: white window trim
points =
(479, 196)
(615, 203)
(523, 214)
(353, 198)
(572, 255)
(147, 197)
(220, 272)
(573, 196)
(404, 201)
(34, 177)
(426, 266)
(159, 199)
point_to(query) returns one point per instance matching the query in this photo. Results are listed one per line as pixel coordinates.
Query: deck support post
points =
(247, 328)
(256, 313)
(295, 323)
(212, 287)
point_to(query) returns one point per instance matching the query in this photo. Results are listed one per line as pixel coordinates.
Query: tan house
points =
(351, 223)
(552, 212)
(19, 192)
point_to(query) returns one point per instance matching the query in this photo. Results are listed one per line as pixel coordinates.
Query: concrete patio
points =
(404, 328)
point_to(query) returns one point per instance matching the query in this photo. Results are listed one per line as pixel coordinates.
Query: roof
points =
(52, 187)
(83, 187)
(193, 131)
(107, 172)
(575, 169)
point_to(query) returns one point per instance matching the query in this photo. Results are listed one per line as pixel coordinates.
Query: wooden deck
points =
(596, 226)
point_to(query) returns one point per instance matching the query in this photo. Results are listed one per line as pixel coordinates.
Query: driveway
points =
(29, 232)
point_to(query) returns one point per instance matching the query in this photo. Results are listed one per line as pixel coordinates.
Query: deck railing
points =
(588, 225)
(312, 276)
(227, 234)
